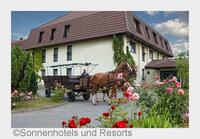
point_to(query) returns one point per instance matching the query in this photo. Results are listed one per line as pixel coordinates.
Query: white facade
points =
(137, 56)
(100, 51)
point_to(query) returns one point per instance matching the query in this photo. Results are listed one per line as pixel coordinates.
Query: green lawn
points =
(39, 103)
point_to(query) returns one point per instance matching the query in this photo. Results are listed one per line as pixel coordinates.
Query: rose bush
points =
(17, 97)
(163, 105)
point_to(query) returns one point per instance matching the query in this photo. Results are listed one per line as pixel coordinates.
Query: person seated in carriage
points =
(84, 74)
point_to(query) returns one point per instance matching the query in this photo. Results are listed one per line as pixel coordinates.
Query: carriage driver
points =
(84, 74)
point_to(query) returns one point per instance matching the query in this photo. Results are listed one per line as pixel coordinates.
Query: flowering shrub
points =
(164, 105)
(172, 98)
(17, 96)
(58, 92)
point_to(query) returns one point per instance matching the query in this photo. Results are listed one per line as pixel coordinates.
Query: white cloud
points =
(17, 36)
(152, 13)
(176, 28)
(179, 47)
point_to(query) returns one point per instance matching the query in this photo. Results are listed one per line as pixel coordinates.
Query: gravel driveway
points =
(52, 117)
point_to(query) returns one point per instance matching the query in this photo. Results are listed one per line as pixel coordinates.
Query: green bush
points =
(58, 92)
(153, 120)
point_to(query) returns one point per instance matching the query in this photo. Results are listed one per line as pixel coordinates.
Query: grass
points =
(40, 103)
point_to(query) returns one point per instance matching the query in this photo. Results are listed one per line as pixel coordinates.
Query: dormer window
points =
(40, 36)
(155, 38)
(138, 28)
(53, 31)
(147, 30)
(66, 31)
(166, 45)
(161, 42)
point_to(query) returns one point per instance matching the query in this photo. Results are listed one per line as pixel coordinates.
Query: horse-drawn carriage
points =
(77, 84)
(83, 86)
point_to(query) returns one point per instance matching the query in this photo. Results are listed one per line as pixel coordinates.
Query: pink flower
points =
(134, 97)
(178, 84)
(120, 76)
(181, 92)
(127, 84)
(169, 90)
(174, 79)
(130, 89)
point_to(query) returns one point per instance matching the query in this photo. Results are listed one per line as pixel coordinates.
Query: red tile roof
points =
(158, 64)
(93, 24)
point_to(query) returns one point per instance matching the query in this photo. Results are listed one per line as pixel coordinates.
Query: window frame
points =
(143, 72)
(155, 37)
(143, 54)
(41, 34)
(55, 55)
(133, 47)
(52, 35)
(69, 53)
(66, 31)
(67, 71)
(55, 72)
(44, 56)
(147, 30)
(151, 54)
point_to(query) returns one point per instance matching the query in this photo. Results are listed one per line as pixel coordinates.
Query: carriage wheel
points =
(86, 96)
(71, 96)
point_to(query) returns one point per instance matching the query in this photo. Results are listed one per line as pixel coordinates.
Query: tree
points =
(33, 83)
(21, 69)
(182, 68)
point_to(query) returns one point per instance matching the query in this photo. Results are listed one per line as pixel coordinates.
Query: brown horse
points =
(113, 79)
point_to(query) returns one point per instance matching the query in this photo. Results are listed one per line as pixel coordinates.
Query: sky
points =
(174, 25)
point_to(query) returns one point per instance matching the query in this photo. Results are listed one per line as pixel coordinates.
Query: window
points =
(40, 37)
(151, 54)
(133, 47)
(66, 31)
(155, 38)
(43, 56)
(69, 53)
(43, 72)
(157, 55)
(163, 57)
(55, 72)
(147, 30)
(166, 46)
(55, 55)
(143, 54)
(142, 74)
(161, 42)
(53, 31)
(69, 71)
(138, 28)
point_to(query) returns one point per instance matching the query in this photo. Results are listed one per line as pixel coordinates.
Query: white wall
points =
(97, 51)
(141, 64)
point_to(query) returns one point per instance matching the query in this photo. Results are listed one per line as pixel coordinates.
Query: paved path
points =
(52, 117)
